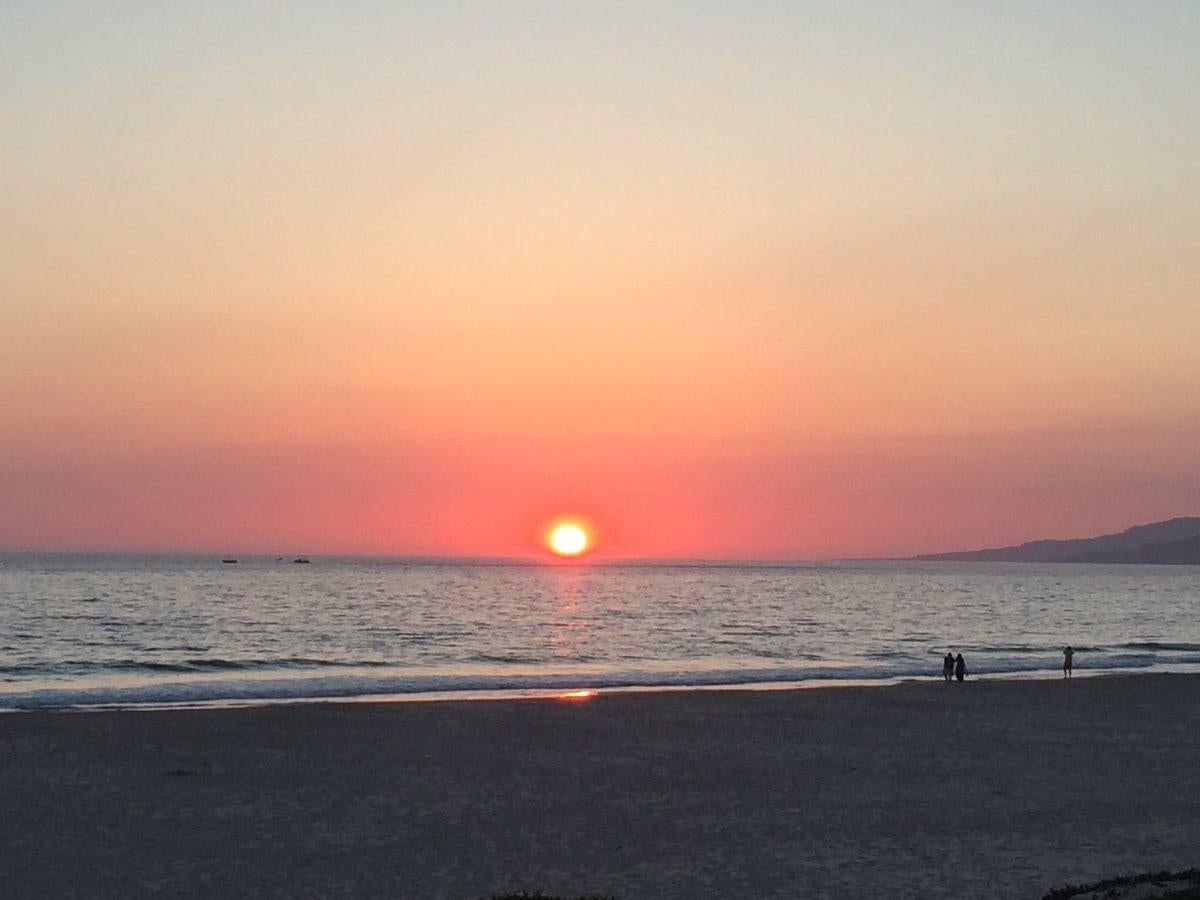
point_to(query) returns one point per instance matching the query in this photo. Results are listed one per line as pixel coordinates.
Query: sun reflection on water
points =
(577, 695)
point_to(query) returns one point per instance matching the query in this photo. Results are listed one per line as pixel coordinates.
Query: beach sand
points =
(986, 789)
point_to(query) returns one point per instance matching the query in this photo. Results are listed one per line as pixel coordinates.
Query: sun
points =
(568, 539)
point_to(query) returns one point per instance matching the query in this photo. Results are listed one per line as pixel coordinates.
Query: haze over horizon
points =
(772, 282)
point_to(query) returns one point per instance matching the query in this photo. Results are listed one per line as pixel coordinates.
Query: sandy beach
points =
(990, 789)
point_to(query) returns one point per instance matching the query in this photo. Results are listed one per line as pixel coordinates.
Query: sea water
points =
(86, 630)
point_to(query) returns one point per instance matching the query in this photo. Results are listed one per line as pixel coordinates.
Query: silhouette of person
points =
(960, 667)
(1068, 661)
(948, 667)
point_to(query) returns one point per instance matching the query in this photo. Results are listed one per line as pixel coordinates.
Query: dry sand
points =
(992, 789)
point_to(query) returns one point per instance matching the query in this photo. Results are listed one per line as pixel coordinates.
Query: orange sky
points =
(795, 283)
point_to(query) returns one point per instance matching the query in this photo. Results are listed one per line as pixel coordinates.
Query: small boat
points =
(301, 559)
(228, 561)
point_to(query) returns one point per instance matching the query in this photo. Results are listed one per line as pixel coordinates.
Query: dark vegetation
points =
(1114, 887)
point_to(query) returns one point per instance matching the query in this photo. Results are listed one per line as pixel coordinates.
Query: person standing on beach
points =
(948, 667)
(1068, 661)
(960, 667)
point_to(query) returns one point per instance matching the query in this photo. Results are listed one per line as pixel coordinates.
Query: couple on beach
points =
(954, 667)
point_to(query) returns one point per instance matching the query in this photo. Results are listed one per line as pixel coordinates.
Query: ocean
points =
(116, 630)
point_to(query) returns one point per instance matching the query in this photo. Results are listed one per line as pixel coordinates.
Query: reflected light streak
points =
(577, 695)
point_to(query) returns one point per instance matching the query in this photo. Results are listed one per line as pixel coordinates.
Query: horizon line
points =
(483, 560)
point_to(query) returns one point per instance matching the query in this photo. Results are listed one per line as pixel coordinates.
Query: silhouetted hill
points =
(1173, 542)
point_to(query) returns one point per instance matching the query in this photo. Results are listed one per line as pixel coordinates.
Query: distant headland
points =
(1173, 542)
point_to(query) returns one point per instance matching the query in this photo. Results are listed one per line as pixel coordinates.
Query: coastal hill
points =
(1174, 542)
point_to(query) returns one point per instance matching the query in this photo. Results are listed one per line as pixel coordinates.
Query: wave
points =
(396, 683)
(506, 658)
(197, 664)
(1155, 645)
(883, 661)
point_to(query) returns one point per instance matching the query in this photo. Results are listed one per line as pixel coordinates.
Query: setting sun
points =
(568, 539)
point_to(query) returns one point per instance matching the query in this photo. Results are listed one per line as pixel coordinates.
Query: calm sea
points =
(97, 630)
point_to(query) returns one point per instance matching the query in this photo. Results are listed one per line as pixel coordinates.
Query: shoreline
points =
(548, 693)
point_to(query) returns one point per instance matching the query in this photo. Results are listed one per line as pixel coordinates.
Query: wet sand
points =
(991, 789)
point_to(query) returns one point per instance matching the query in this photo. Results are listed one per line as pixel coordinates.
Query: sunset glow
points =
(752, 282)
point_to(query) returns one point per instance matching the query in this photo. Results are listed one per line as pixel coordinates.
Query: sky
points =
(729, 280)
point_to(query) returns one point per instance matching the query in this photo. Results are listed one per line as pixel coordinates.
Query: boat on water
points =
(301, 559)
(228, 561)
